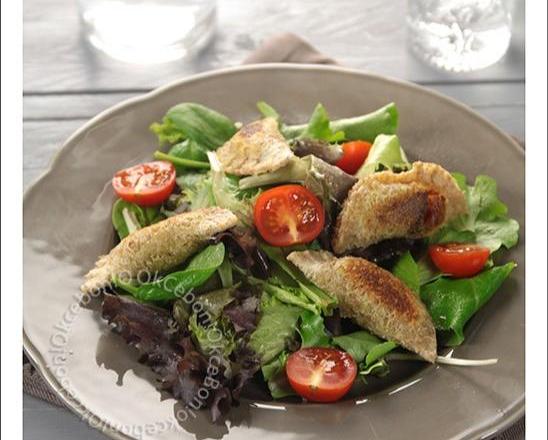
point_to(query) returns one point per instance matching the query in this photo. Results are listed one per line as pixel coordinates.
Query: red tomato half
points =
(321, 374)
(354, 155)
(459, 260)
(147, 184)
(288, 214)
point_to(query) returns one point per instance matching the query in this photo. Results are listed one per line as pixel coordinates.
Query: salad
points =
(307, 257)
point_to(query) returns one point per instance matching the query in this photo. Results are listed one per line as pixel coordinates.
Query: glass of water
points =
(148, 31)
(459, 35)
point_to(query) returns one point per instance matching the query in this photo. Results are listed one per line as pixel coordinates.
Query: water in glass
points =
(148, 31)
(459, 35)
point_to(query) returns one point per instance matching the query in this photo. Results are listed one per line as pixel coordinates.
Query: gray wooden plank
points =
(83, 106)
(367, 34)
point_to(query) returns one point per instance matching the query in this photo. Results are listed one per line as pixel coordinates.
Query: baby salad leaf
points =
(275, 377)
(386, 153)
(215, 337)
(227, 194)
(312, 330)
(452, 302)
(275, 330)
(203, 125)
(177, 284)
(486, 222)
(197, 190)
(167, 132)
(186, 155)
(268, 111)
(317, 296)
(188, 149)
(407, 270)
(361, 343)
(365, 127)
(128, 217)
(318, 127)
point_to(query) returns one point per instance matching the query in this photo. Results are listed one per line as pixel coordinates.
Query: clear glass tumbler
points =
(148, 31)
(459, 35)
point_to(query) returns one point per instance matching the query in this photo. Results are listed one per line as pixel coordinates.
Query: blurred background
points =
(83, 56)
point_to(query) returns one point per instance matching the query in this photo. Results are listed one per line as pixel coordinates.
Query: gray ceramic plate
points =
(67, 225)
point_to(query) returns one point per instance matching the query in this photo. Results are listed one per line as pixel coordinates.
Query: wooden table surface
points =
(66, 82)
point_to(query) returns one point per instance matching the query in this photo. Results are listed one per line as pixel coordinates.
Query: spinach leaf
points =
(378, 352)
(167, 132)
(276, 328)
(275, 377)
(407, 270)
(452, 302)
(386, 153)
(361, 343)
(318, 127)
(180, 162)
(365, 127)
(128, 217)
(188, 149)
(312, 330)
(177, 284)
(186, 155)
(486, 223)
(203, 125)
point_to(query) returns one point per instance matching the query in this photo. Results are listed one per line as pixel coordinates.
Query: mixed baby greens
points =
(260, 305)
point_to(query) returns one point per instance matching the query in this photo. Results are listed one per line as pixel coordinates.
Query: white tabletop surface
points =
(66, 82)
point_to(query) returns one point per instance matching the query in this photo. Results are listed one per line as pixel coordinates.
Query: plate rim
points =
(486, 430)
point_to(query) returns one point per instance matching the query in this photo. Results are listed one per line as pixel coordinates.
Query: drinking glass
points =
(459, 35)
(148, 31)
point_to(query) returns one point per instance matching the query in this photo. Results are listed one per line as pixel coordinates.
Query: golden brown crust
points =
(373, 297)
(386, 205)
(256, 148)
(158, 247)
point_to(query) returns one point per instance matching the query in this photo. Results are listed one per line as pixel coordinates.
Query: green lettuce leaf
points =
(275, 377)
(312, 330)
(276, 328)
(386, 154)
(407, 270)
(318, 127)
(364, 127)
(486, 223)
(452, 302)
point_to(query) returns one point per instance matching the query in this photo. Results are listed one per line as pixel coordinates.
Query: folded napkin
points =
(282, 48)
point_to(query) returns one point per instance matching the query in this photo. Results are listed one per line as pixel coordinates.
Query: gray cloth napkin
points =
(283, 48)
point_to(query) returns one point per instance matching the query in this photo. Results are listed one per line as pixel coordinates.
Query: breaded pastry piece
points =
(411, 204)
(159, 247)
(256, 148)
(373, 297)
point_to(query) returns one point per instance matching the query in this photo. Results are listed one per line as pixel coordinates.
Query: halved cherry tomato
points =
(321, 374)
(147, 184)
(459, 260)
(288, 214)
(354, 155)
